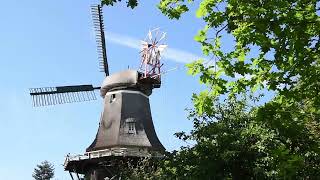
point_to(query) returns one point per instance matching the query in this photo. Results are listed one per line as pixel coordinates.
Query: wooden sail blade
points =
(97, 17)
(46, 96)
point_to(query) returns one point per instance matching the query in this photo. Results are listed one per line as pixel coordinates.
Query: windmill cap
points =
(128, 79)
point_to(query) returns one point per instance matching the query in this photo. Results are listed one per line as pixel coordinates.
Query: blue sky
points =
(50, 43)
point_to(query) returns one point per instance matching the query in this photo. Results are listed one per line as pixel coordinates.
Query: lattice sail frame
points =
(151, 49)
(97, 17)
(46, 96)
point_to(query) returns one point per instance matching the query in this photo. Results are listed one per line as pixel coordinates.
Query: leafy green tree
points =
(240, 142)
(276, 48)
(235, 142)
(276, 44)
(229, 144)
(43, 171)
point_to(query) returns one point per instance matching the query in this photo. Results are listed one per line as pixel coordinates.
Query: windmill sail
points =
(97, 17)
(62, 94)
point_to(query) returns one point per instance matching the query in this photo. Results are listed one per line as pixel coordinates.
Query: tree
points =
(229, 144)
(43, 171)
(276, 44)
(237, 142)
(276, 48)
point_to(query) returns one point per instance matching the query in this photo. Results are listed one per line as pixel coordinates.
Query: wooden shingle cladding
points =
(126, 121)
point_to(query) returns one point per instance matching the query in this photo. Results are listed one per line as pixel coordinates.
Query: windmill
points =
(126, 129)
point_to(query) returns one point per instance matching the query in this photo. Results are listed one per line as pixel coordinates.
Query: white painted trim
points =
(127, 91)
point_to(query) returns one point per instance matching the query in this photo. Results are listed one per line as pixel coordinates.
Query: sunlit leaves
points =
(202, 35)
(130, 3)
(195, 67)
(286, 35)
(205, 7)
(173, 8)
(285, 32)
(276, 47)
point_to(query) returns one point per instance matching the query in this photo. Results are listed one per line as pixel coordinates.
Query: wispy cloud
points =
(173, 54)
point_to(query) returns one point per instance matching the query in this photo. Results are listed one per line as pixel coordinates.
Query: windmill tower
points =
(126, 129)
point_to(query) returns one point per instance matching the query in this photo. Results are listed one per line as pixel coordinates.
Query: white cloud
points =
(122, 40)
(173, 54)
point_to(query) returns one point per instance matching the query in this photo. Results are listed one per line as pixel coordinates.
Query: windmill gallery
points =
(126, 131)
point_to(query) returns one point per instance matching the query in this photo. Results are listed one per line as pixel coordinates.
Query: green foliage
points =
(130, 3)
(236, 142)
(145, 168)
(285, 33)
(43, 171)
(276, 48)
(298, 130)
(173, 8)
